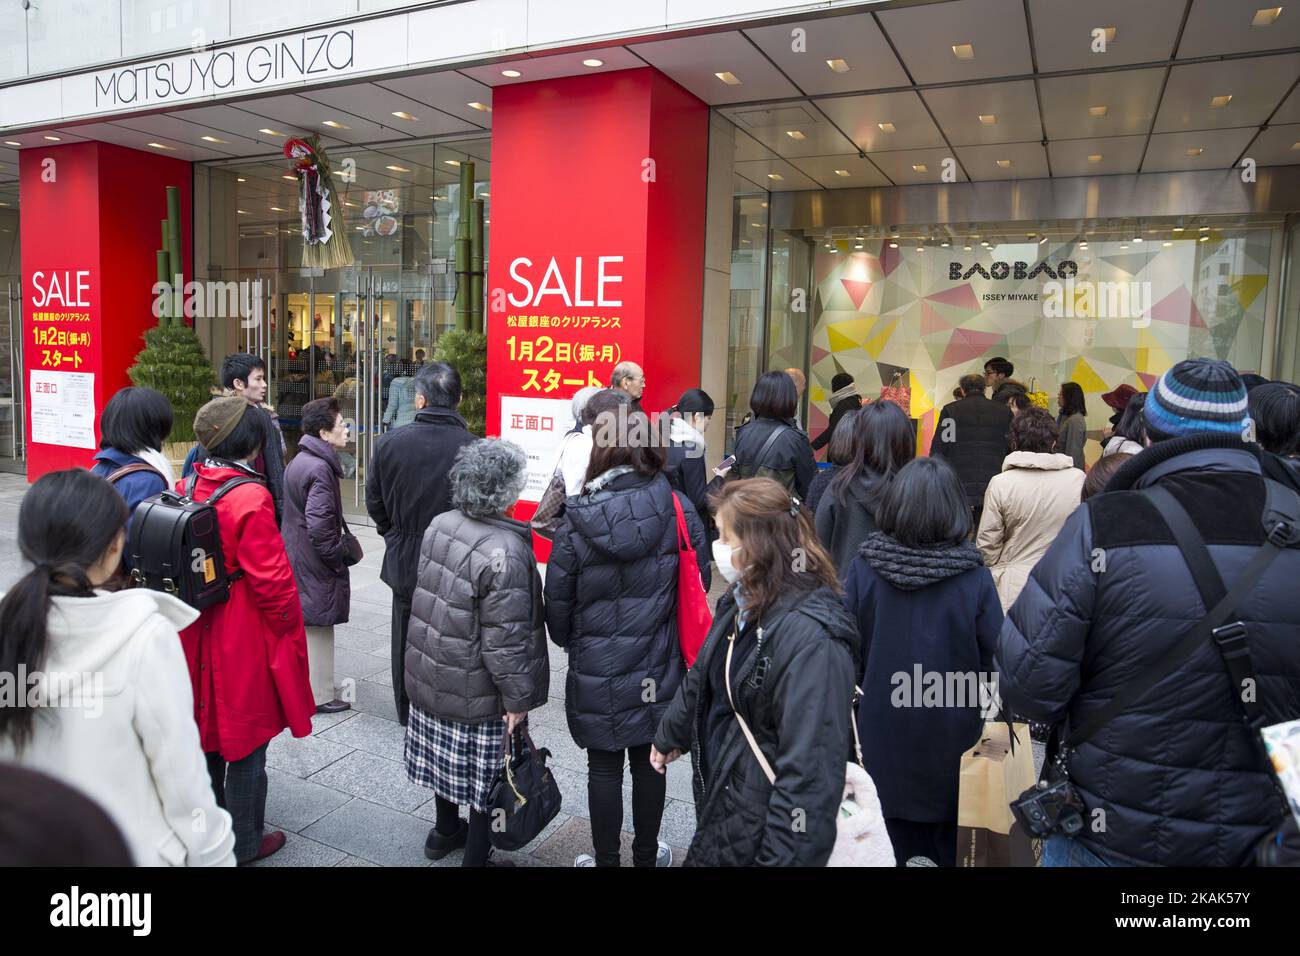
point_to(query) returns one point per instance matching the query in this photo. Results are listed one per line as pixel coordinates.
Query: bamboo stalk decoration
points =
(464, 306)
(476, 266)
(175, 269)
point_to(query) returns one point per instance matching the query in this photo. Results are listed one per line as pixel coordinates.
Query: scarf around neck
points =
(913, 568)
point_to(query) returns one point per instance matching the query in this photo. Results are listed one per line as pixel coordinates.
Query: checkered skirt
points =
(456, 761)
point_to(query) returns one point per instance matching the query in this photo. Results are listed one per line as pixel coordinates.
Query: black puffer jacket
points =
(611, 603)
(476, 645)
(975, 443)
(1180, 779)
(794, 687)
(789, 460)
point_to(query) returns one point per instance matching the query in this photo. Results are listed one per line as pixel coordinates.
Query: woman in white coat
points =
(1027, 503)
(113, 713)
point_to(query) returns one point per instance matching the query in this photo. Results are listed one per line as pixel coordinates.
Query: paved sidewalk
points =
(342, 795)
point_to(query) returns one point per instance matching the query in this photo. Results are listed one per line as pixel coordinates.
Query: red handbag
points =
(693, 615)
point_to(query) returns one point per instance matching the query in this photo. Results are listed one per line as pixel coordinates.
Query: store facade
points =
(636, 208)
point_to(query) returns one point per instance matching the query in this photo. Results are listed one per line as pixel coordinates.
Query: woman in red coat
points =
(247, 655)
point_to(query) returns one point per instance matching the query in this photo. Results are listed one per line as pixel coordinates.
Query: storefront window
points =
(748, 285)
(11, 307)
(789, 327)
(1100, 312)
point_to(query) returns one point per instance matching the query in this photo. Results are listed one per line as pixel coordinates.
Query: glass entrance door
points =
(13, 452)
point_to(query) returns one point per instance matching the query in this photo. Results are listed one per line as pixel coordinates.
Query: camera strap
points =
(1282, 526)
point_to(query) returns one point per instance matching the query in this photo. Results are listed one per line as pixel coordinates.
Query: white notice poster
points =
(63, 408)
(537, 425)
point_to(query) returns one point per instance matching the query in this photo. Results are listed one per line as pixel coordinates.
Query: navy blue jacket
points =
(1177, 774)
(133, 488)
(912, 752)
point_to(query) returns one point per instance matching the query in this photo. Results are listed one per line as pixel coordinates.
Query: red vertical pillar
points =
(597, 248)
(90, 225)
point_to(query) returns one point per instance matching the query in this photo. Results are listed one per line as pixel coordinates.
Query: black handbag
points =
(524, 797)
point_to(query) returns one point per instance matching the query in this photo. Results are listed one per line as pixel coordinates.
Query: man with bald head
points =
(800, 383)
(628, 378)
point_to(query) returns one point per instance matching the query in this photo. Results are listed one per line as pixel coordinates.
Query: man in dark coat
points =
(972, 436)
(407, 487)
(844, 399)
(1176, 778)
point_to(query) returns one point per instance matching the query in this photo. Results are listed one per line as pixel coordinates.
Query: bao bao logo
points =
(1065, 269)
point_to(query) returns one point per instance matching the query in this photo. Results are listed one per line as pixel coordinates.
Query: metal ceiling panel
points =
(1216, 27)
(1119, 154)
(694, 62)
(1145, 32)
(1013, 107)
(861, 116)
(1028, 161)
(1256, 85)
(1168, 152)
(925, 35)
(1130, 98)
(869, 63)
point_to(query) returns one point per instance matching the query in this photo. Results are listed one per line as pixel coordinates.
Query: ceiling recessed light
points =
(54, 139)
(290, 176)
(1205, 229)
(763, 204)
(887, 127)
(967, 248)
(858, 245)
(726, 76)
(1204, 239)
(1178, 228)
(482, 195)
(1004, 163)
(1084, 244)
(963, 51)
(403, 115)
(513, 74)
(452, 162)
(1094, 157)
(440, 198)
(1265, 16)
(1220, 101)
(893, 245)
(242, 212)
(1097, 110)
(944, 244)
(211, 139)
(1042, 240)
(984, 243)
(278, 209)
(10, 142)
(1137, 238)
(918, 167)
(593, 62)
(795, 134)
(1123, 245)
(1110, 33)
(481, 107)
(1166, 243)
(333, 124)
(988, 119)
(838, 65)
(270, 132)
(398, 169)
(1196, 151)
(160, 146)
(842, 172)
(776, 176)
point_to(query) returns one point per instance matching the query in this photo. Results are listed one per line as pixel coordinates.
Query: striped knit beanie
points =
(1196, 395)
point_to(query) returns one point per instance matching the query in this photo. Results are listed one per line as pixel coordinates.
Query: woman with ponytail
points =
(103, 693)
(781, 656)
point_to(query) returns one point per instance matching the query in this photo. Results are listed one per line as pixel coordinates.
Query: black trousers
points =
(477, 846)
(938, 841)
(605, 801)
(240, 789)
(401, 618)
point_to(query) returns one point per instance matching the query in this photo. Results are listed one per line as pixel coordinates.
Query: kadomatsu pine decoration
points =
(467, 353)
(173, 362)
(325, 242)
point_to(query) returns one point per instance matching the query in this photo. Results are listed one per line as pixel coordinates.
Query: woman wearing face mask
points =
(611, 603)
(782, 654)
(684, 465)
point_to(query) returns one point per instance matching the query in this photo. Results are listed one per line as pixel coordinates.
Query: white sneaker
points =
(665, 855)
(584, 859)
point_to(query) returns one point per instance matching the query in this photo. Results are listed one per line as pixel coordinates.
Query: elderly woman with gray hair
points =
(476, 658)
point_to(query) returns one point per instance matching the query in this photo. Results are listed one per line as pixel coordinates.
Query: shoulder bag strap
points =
(771, 440)
(744, 727)
(1230, 639)
(133, 469)
(229, 486)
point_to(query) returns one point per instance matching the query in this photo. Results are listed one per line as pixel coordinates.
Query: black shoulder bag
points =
(1055, 807)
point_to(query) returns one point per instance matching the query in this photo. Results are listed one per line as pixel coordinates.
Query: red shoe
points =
(271, 843)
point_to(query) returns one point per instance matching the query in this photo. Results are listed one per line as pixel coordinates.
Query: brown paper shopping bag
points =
(992, 776)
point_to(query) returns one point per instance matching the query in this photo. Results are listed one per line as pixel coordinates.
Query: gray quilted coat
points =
(476, 645)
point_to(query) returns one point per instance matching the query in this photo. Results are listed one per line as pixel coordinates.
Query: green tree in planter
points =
(467, 353)
(173, 362)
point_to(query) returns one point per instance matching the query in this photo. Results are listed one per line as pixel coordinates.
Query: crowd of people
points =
(1000, 552)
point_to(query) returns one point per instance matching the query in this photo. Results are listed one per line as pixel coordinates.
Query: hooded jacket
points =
(1178, 774)
(611, 603)
(789, 460)
(1024, 508)
(842, 526)
(476, 646)
(793, 684)
(921, 612)
(313, 533)
(130, 742)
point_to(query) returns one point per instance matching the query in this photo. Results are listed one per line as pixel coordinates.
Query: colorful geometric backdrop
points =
(880, 311)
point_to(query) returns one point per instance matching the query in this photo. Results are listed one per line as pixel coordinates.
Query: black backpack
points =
(175, 545)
